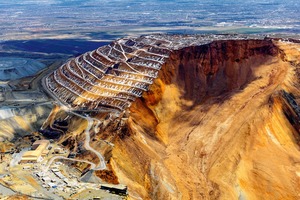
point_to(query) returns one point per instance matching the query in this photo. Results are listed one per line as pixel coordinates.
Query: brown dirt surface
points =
(107, 176)
(17, 197)
(211, 126)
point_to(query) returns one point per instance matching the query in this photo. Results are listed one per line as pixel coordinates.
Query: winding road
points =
(87, 146)
(65, 158)
(101, 165)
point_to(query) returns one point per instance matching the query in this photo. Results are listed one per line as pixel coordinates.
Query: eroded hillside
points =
(216, 125)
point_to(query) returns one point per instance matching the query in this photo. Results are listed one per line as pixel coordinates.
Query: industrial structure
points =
(38, 149)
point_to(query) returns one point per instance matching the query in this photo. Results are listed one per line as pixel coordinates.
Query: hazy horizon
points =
(107, 20)
(61, 28)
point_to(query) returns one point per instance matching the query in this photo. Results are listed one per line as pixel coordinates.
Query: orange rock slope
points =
(216, 125)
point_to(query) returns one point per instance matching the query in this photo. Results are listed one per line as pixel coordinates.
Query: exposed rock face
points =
(215, 125)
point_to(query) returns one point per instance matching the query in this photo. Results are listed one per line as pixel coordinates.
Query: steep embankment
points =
(21, 121)
(214, 126)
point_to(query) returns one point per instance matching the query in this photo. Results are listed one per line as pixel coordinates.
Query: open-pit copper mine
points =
(190, 117)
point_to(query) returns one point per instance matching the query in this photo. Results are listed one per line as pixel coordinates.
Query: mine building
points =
(38, 149)
(115, 189)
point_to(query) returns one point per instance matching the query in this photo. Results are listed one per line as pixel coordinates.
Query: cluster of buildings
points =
(53, 179)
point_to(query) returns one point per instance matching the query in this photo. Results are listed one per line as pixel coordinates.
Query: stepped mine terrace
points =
(102, 112)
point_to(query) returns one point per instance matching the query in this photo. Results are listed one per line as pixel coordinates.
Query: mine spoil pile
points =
(211, 116)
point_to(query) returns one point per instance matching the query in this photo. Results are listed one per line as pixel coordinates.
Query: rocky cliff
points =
(219, 122)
